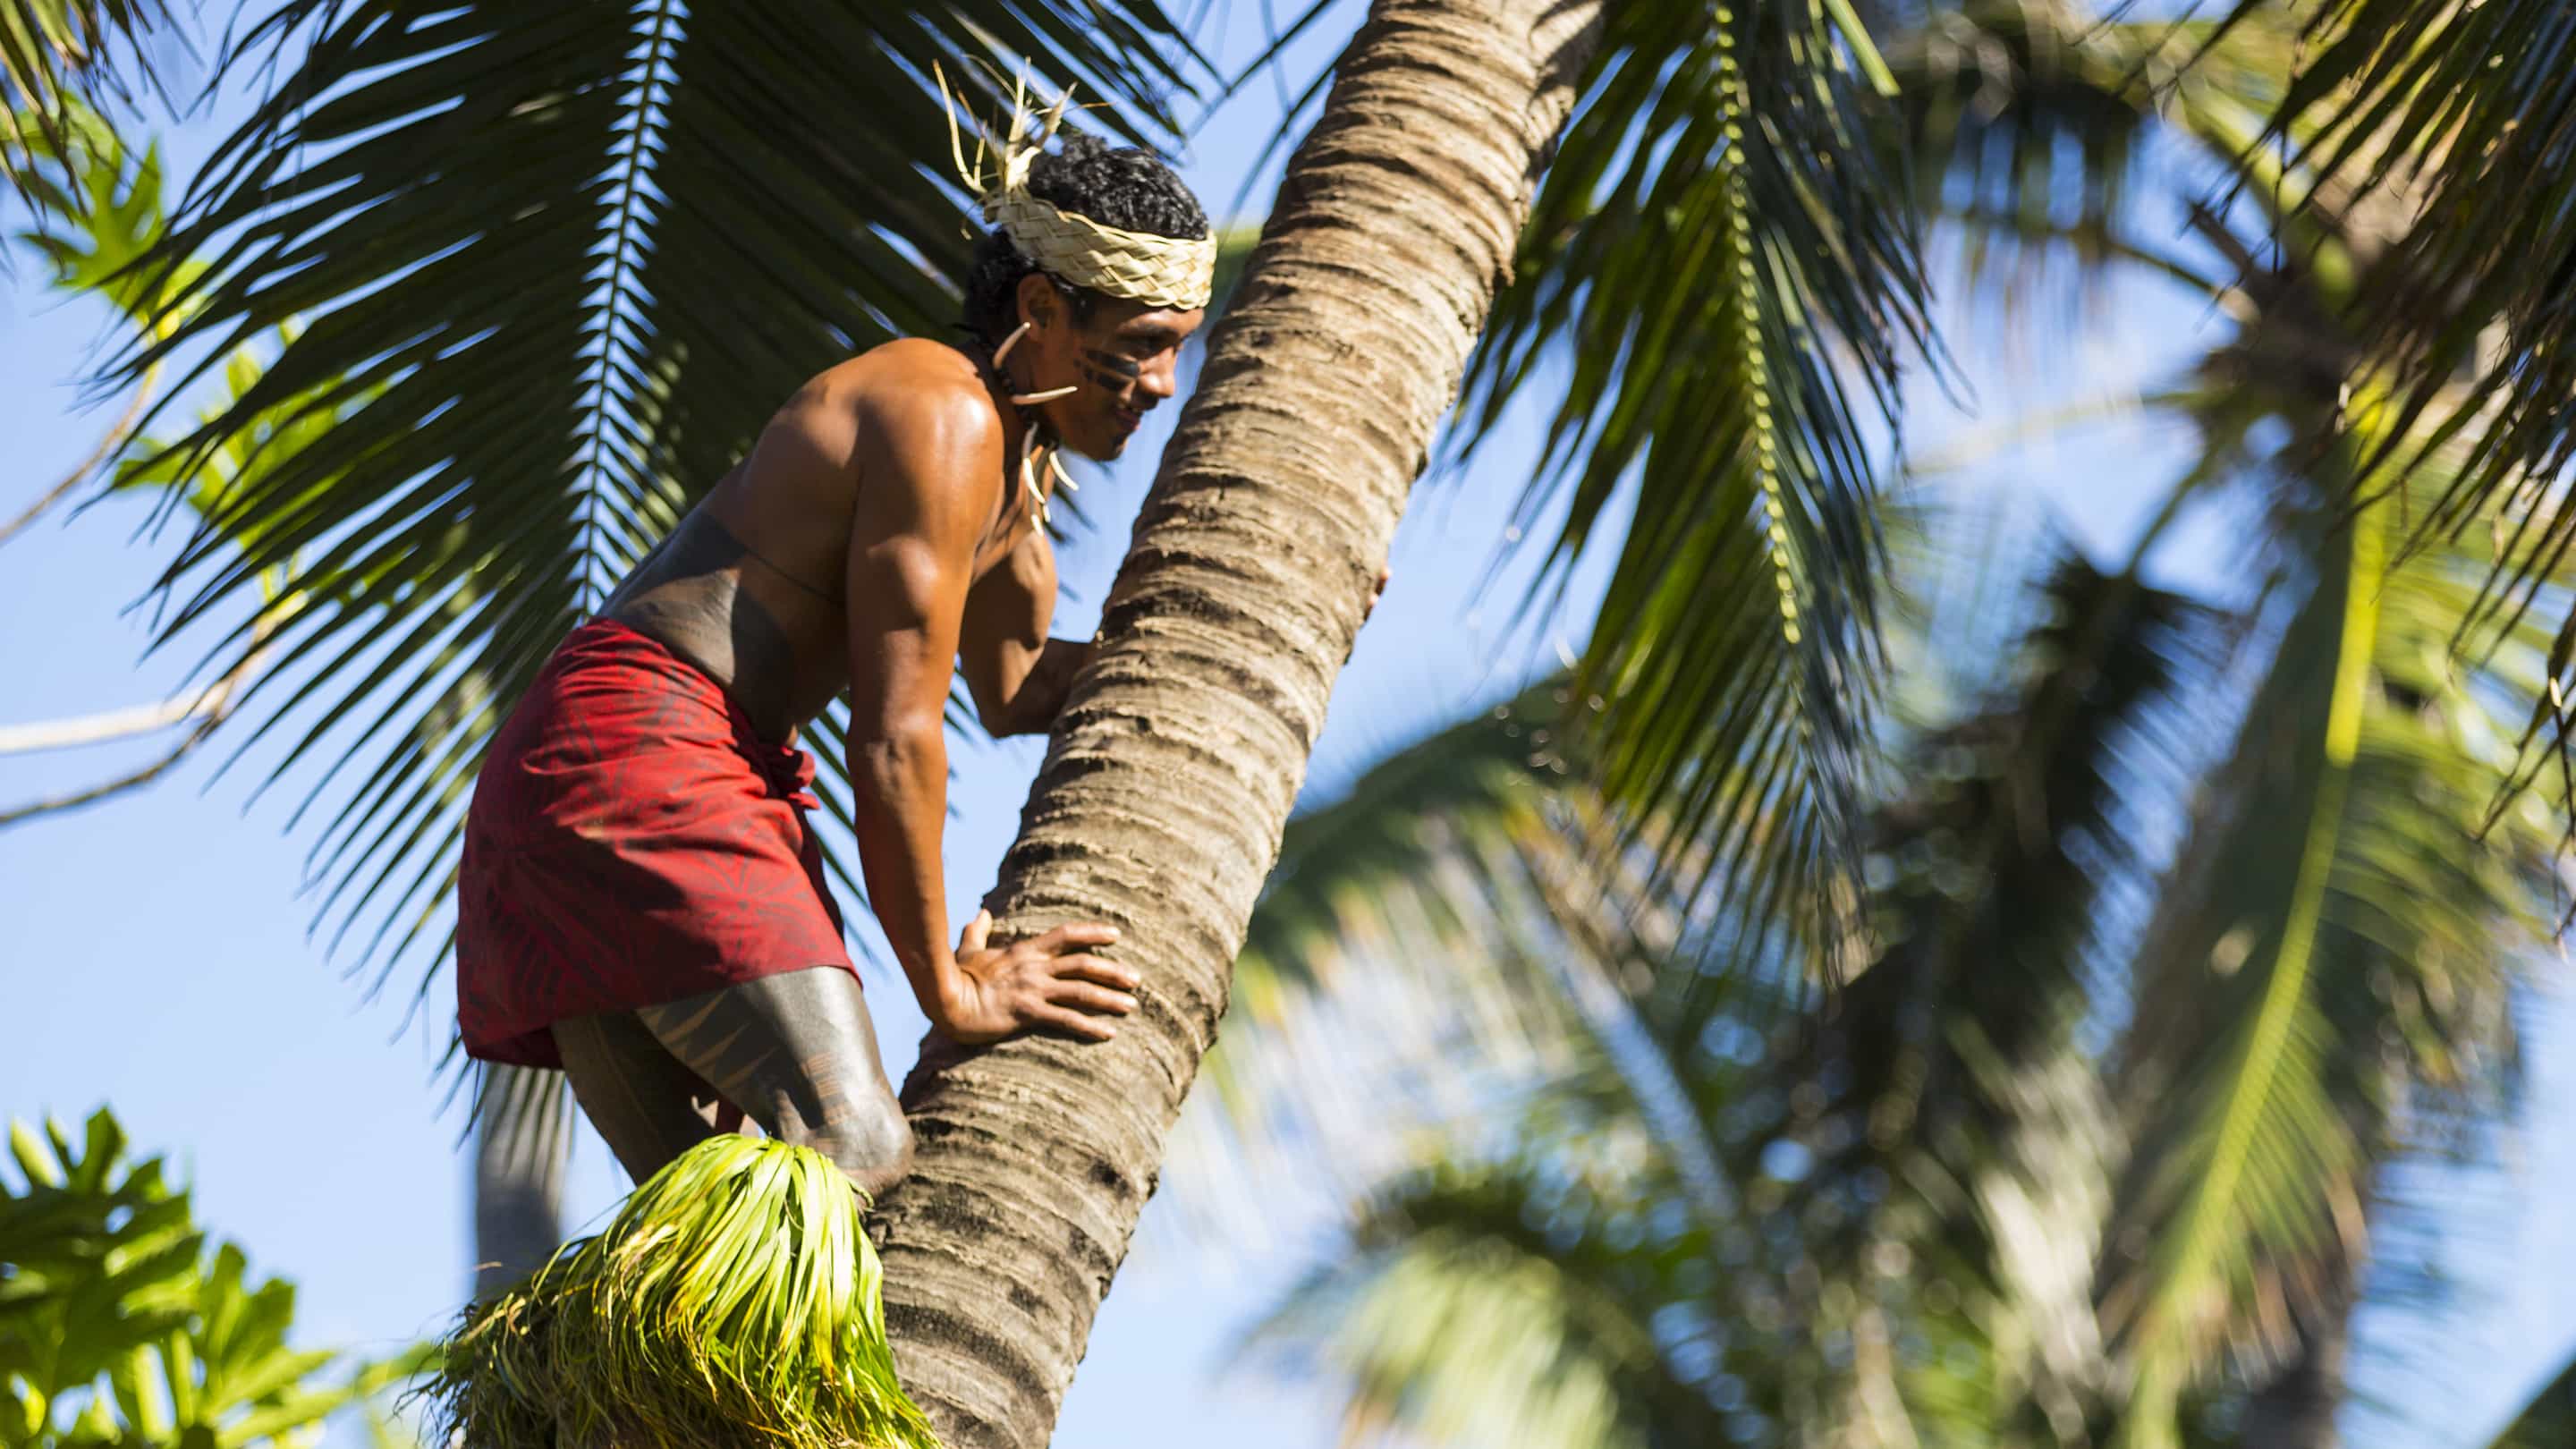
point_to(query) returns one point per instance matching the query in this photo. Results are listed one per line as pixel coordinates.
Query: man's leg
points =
(635, 1093)
(796, 1052)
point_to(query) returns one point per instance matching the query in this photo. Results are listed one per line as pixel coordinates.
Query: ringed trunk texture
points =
(1174, 764)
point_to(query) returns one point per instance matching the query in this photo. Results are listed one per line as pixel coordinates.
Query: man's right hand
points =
(1045, 980)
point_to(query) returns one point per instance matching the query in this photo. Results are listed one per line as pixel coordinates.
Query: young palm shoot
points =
(733, 1302)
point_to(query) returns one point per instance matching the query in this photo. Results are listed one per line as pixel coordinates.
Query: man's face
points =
(1123, 360)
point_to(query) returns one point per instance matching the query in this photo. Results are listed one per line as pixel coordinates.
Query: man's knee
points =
(869, 1140)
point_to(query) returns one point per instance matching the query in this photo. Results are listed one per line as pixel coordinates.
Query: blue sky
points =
(156, 955)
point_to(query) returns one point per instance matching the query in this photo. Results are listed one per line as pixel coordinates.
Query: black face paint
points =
(1108, 371)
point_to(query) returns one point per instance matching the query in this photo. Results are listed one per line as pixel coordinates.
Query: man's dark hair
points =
(1125, 187)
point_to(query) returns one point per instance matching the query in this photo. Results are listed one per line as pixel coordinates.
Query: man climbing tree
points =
(641, 900)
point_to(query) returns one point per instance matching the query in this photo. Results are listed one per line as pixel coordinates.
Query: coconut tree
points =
(559, 261)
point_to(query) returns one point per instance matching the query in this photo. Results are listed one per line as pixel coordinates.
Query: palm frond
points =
(560, 261)
(2027, 122)
(2434, 123)
(1707, 244)
(2336, 932)
(1454, 1319)
(58, 60)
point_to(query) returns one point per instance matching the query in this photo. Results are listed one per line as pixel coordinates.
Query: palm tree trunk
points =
(521, 1139)
(1173, 767)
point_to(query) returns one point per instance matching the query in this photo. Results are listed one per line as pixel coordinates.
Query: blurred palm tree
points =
(1948, 1213)
(2090, 1149)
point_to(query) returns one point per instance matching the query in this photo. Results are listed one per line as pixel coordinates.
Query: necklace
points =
(1030, 482)
(1025, 403)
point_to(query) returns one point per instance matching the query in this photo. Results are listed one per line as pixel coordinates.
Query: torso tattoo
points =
(764, 628)
(688, 594)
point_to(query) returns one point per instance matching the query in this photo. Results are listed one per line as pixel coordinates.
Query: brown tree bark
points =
(1173, 767)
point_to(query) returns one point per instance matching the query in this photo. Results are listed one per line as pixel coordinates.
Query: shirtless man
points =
(641, 902)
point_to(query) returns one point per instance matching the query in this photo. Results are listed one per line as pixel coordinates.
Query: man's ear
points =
(1039, 303)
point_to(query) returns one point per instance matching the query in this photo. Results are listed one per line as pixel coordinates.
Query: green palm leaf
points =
(2449, 115)
(1709, 246)
(560, 260)
(1453, 1318)
(2337, 931)
(58, 58)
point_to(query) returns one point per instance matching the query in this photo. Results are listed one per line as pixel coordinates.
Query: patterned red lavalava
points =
(631, 841)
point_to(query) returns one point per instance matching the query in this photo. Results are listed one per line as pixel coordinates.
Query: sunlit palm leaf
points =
(1454, 1318)
(561, 260)
(2336, 932)
(2461, 112)
(2439, 124)
(1710, 240)
(57, 58)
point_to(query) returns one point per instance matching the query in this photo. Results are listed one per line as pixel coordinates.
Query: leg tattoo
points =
(797, 1052)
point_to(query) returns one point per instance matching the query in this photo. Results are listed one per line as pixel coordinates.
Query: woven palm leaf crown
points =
(1159, 271)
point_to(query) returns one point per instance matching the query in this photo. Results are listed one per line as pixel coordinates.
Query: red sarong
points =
(631, 841)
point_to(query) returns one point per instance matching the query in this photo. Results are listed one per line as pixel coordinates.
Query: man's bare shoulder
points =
(914, 392)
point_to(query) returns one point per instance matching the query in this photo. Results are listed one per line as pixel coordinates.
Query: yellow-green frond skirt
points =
(733, 1304)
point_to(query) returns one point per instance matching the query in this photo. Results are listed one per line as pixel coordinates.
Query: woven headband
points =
(1159, 271)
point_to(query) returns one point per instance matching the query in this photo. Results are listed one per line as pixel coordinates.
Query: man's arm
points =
(924, 465)
(1018, 676)
(917, 516)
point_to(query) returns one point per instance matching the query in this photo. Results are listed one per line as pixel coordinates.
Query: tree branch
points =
(107, 446)
(208, 709)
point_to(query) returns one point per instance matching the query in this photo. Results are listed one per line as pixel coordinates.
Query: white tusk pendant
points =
(1028, 399)
(1036, 497)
